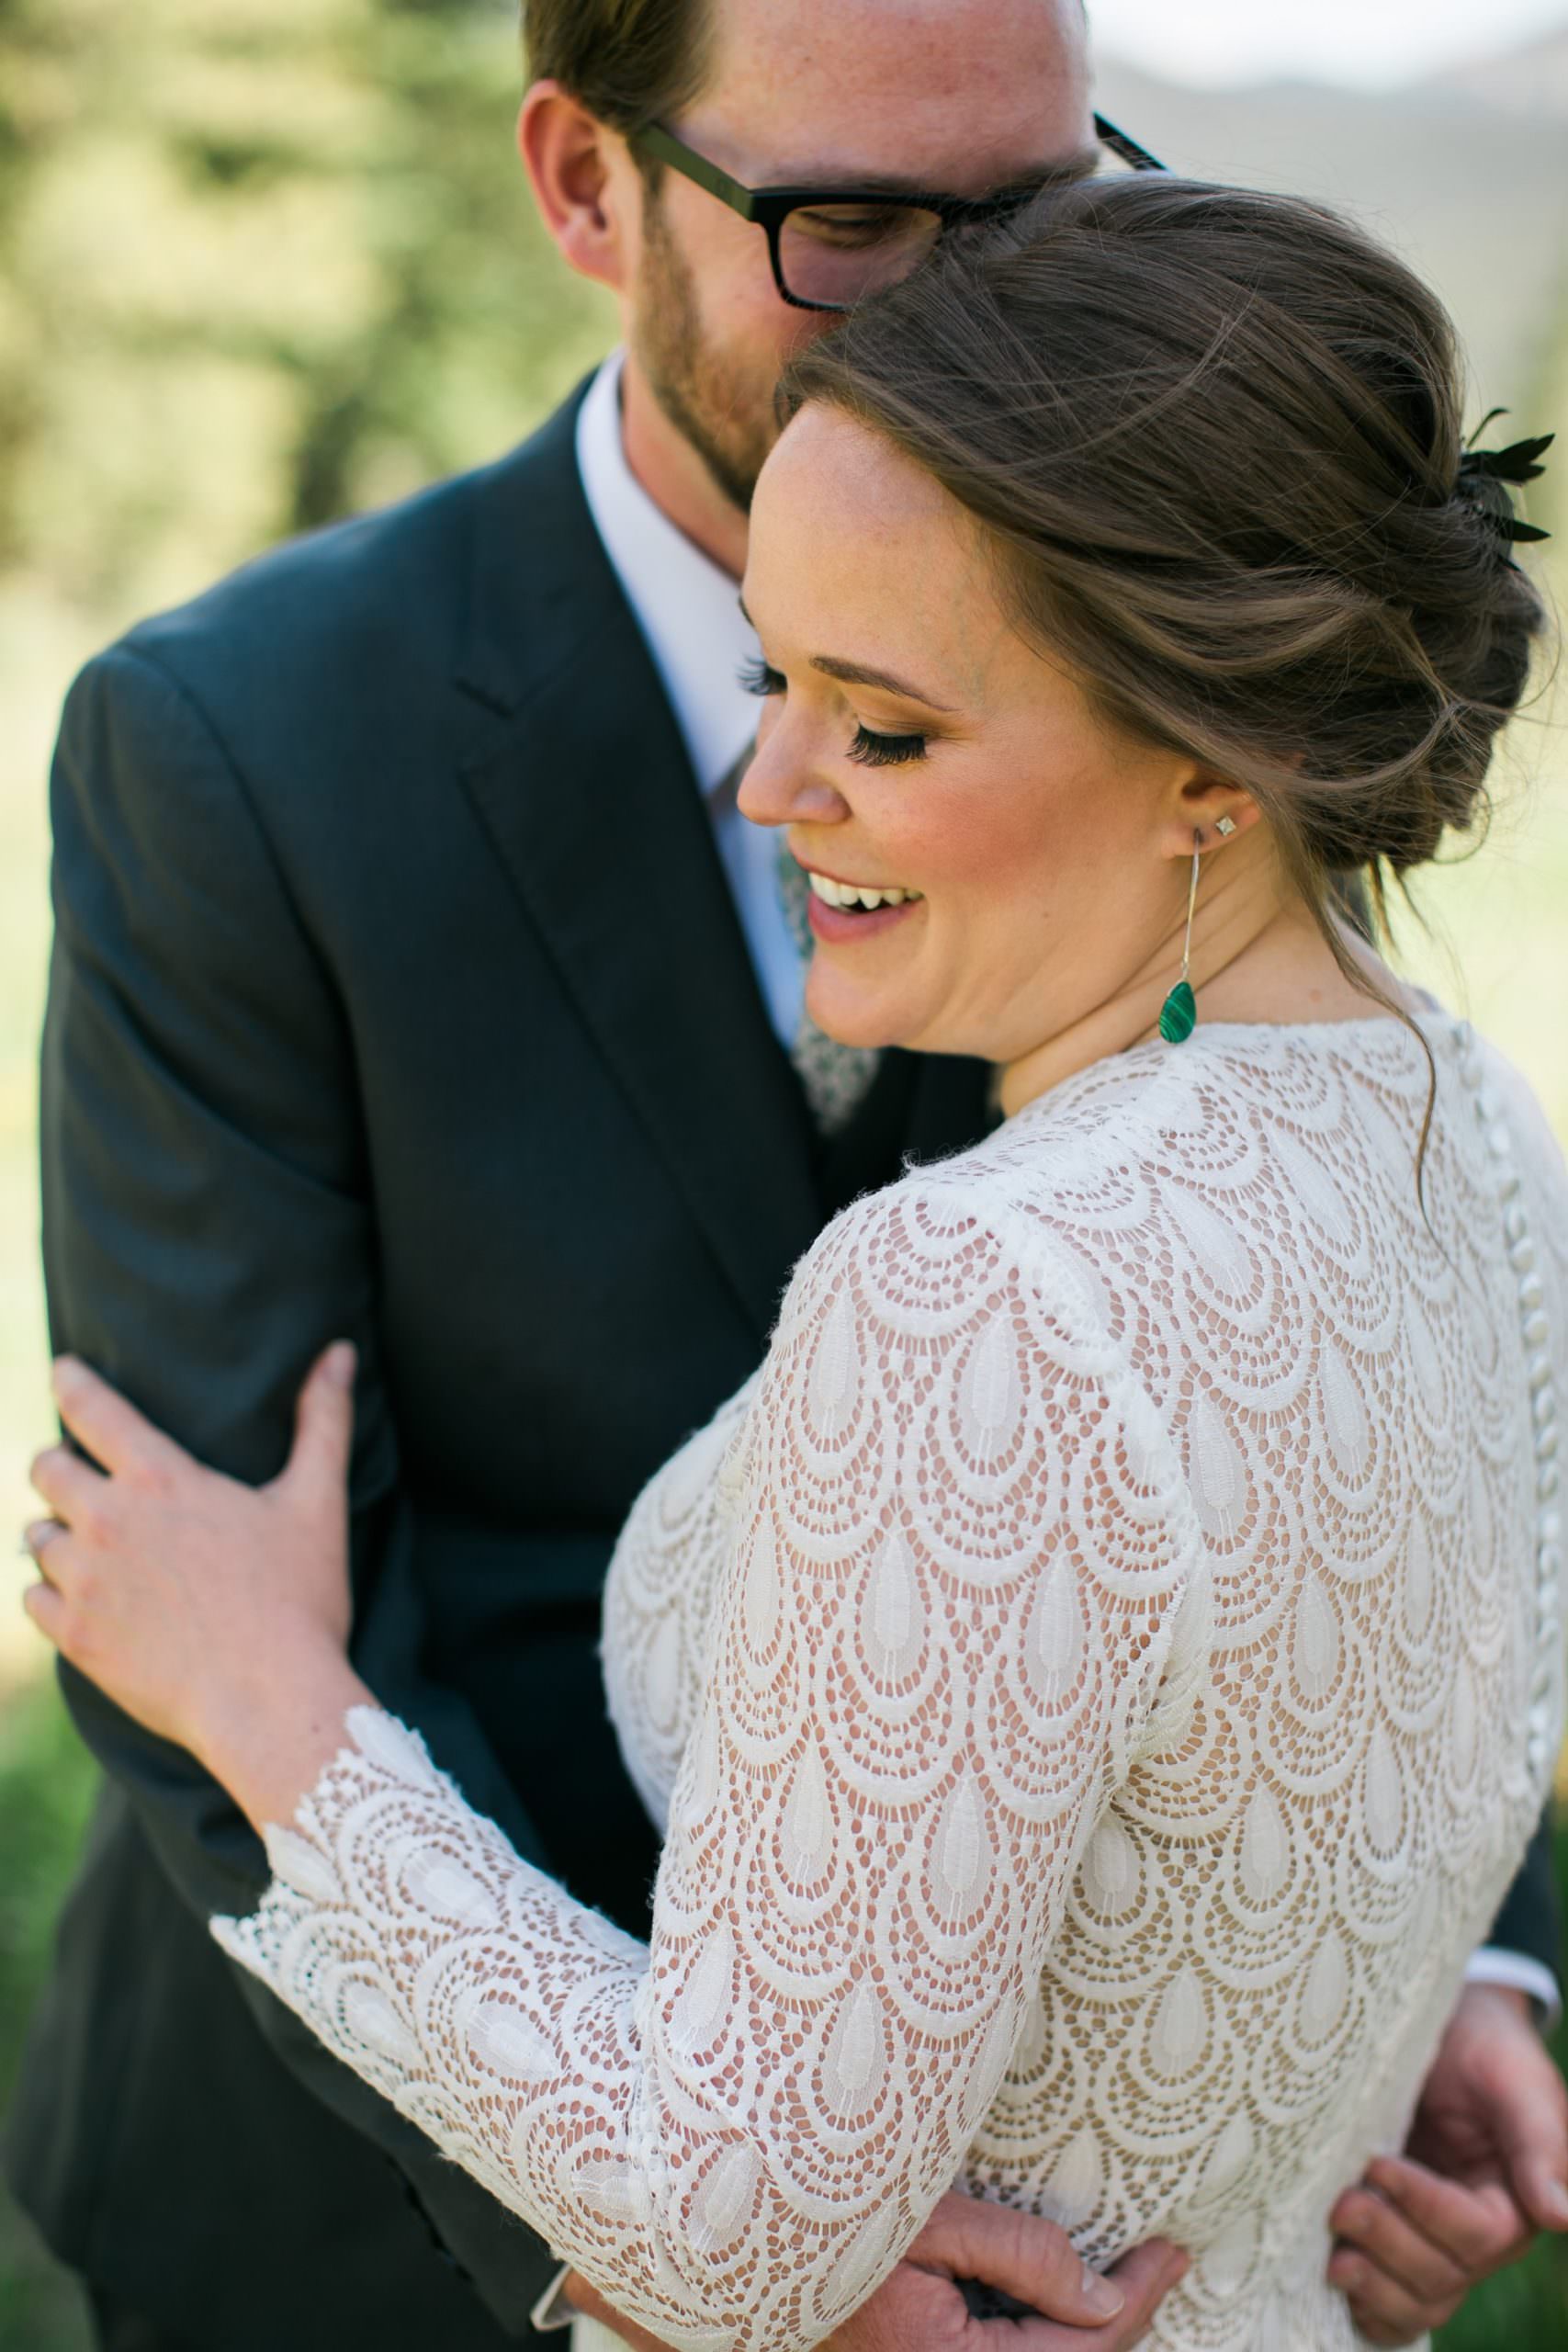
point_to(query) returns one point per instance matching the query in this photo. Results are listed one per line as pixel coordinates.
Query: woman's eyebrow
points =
(857, 674)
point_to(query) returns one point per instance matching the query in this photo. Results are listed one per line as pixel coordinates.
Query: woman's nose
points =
(777, 789)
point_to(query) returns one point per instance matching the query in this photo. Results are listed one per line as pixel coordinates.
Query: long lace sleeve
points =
(956, 1541)
(659, 1599)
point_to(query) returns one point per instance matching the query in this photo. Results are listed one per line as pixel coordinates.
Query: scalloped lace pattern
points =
(1096, 1682)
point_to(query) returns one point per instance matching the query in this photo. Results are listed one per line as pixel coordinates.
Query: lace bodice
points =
(1096, 1682)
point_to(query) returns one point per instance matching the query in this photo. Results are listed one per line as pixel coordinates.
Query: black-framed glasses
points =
(832, 246)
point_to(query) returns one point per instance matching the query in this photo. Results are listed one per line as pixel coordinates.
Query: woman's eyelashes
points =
(872, 751)
(886, 751)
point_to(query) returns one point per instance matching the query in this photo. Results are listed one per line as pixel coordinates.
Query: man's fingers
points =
(592, 2304)
(1533, 2133)
(71, 1487)
(114, 1432)
(324, 1427)
(1539, 2187)
(1385, 2312)
(1145, 2277)
(1030, 2259)
(1480, 2227)
(1379, 2231)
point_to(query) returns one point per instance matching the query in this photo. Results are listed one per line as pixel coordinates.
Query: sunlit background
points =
(263, 262)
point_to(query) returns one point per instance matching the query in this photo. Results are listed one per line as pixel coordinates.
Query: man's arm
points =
(206, 1229)
(1524, 1949)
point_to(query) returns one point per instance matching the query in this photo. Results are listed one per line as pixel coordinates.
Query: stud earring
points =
(1224, 826)
(1179, 1013)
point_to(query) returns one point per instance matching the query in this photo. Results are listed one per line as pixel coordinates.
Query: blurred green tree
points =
(261, 262)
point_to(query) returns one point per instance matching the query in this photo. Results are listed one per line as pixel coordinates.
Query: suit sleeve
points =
(1530, 1925)
(206, 1229)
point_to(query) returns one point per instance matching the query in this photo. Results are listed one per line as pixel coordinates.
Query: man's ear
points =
(579, 170)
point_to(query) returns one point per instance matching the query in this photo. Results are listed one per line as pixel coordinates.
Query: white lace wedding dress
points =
(1097, 1681)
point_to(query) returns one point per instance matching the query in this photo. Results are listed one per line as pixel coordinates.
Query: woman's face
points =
(912, 742)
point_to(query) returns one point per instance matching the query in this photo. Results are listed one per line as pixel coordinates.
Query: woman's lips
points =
(835, 925)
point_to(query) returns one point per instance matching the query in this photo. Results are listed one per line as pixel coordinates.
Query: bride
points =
(1097, 1679)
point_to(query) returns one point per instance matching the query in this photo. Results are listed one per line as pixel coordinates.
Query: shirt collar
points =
(687, 606)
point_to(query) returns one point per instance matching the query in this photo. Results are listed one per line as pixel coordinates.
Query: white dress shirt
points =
(689, 612)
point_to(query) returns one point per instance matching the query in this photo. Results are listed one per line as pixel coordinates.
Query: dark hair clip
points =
(1519, 463)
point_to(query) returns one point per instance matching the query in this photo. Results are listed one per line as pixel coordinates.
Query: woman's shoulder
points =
(1011, 1228)
(1077, 1151)
(1153, 1168)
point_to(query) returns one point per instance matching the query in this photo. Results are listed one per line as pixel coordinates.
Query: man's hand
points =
(592, 2304)
(921, 2308)
(1485, 2167)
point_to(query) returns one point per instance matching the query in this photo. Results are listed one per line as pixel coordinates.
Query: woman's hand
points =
(206, 1608)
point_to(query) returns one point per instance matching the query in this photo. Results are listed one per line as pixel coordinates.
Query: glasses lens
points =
(837, 253)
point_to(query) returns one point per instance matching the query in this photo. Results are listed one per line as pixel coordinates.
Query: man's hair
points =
(628, 61)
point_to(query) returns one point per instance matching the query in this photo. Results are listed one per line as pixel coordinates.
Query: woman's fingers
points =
(317, 1470)
(71, 1487)
(47, 1608)
(54, 1603)
(36, 1539)
(114, 1432)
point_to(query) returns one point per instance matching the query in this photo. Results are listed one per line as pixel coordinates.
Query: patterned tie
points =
(837, 1078)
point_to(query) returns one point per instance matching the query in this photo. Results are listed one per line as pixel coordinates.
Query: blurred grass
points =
(45, 1787)
(260, 260)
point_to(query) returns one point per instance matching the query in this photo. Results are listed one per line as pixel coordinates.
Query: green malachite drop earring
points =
(1179, 1013)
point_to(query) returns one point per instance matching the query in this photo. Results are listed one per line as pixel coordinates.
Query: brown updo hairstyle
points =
(1216, 438)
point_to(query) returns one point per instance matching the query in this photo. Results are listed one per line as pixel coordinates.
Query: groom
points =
(416, 979)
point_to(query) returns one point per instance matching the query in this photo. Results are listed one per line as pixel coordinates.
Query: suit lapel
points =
(584, 787)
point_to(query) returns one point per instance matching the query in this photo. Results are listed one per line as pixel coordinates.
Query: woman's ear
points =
(1210, 805)
(570, 159)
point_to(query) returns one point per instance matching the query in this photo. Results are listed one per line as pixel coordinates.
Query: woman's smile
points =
(843, 911)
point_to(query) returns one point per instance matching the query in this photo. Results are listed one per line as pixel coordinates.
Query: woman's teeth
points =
(855, 894)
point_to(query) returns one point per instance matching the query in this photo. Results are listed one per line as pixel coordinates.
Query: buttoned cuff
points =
(552, 2310)
(1490, 1965)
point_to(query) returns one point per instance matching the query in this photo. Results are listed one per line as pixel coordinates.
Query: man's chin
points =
(732, 468)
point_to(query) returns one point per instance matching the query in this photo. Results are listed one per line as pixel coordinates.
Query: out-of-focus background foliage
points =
(266, 261)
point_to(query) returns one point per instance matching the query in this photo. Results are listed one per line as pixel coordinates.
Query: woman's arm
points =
(957, 1543)
(662, 1596)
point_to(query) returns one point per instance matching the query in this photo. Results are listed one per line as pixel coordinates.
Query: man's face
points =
(955, 97)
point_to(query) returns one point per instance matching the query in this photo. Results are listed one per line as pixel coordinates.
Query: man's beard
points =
(699, 390)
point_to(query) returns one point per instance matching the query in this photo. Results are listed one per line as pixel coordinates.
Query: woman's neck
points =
(1256, 957)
